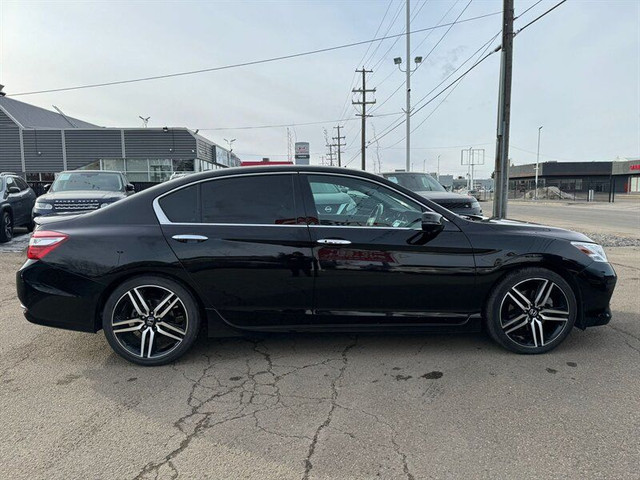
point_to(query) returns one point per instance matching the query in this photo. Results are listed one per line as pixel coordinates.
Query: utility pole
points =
(408, 81)
(537, 162)
(339, 144)
(438, 171)
(289, 145)
(363, 102)
(501, 172)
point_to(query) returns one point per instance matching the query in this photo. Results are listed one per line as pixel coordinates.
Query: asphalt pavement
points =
(323, 406)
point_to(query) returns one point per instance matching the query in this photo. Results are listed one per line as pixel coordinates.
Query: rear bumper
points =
(56, 298)
(596, 283)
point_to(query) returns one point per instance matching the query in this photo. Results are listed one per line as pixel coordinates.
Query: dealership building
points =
(38, 143)
(619, 176)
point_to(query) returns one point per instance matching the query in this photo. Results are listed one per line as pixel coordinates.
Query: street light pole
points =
(537, 162)
(438, 171)
(408, 112)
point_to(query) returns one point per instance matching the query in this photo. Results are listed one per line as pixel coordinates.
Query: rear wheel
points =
(6, 227)
(151, 320)
(531, 311)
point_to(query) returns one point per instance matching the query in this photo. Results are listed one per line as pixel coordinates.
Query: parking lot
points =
(323, 406)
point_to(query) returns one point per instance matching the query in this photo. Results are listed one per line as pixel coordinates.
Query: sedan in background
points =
(425, 185)
(82, 191)
(244, 250)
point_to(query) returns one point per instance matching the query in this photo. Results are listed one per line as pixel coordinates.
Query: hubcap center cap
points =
(150, 321)
(533, 312)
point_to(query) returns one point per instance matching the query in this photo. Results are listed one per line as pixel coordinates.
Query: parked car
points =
(82, 191)
(16, 201)
(427, 186)
(253, 250)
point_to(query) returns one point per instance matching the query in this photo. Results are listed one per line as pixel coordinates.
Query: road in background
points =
(619, 218)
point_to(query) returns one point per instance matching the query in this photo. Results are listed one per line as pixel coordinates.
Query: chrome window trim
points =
(164, 220)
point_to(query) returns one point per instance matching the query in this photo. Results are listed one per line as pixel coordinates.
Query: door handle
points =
(334, 241)
(190, 238)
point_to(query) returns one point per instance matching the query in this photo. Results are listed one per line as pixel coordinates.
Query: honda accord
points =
(250, 250)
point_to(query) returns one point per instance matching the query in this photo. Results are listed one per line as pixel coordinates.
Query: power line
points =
(242, 64)
(428, 54)
(539, 1)
(539, 17)
(282, 125)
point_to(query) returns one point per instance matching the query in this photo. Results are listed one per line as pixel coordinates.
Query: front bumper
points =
(596, 284)
(56, 298)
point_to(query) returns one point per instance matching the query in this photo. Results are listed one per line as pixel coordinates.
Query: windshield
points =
(68, 182)
(417, 182)
(324, 188)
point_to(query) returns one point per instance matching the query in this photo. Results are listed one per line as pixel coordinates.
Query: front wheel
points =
(531, 311)
(151, 320)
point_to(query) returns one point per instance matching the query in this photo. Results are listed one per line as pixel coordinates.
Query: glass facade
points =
(150, 170)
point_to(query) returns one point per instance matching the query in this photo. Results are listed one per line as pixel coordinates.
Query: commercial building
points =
(578, 178)
(37, 143)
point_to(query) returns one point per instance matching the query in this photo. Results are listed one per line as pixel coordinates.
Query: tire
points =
(539, 325)
(156, 339)
(6, 227)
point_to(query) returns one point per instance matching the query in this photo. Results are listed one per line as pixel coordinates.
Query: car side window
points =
(10, 182)
(348, 201)
(181, 206)
(254, 199)
(21, 183)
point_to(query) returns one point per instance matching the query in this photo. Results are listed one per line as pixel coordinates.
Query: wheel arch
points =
(550, 262)
(125, 276)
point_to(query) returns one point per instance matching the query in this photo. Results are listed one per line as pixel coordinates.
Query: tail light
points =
(43, 242)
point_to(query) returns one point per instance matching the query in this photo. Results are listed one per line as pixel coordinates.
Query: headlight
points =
(102, 205)
(593, 250)
(43, 206)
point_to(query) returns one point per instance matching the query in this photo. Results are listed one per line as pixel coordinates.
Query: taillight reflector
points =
(43, 242)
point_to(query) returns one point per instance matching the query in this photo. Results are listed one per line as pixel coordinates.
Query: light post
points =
(408, 72)
(230, 144)
(537, 162)
(438, 171)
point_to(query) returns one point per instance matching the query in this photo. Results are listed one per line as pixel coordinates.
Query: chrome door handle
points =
(334, 241)
(190, 238)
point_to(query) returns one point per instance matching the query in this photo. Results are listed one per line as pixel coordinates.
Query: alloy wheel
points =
(534, 312)
(149, 321)
(8, 227)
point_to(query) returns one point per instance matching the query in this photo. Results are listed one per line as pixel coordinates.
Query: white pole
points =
(408, 72)
(537, 163)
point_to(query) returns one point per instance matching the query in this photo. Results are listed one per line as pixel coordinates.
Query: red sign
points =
(635, 166)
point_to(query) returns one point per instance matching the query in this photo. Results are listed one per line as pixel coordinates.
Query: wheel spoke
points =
(512, 321)
(540, 292)
(151, 335)
(138, 302)
(547, 318)
(545, 294)
(127, 322)
(171, 327)
(517, 301)
(167, 308)
(163, 303)
(143, 339)
(537, 333)
(520, 325)
(167, 334)
(129, 329)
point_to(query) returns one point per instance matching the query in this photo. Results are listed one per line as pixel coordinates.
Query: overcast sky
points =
(576, 72)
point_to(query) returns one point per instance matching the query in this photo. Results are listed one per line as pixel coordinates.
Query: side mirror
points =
(130, 188)
(432, 222)
(13, 189)
(46, 187)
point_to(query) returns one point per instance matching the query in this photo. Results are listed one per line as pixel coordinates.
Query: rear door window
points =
(255, 199)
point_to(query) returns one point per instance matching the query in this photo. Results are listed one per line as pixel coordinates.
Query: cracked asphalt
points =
(323, 406)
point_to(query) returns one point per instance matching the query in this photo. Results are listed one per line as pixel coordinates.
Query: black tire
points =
(119, 308)
(552, 321)
(6, 227)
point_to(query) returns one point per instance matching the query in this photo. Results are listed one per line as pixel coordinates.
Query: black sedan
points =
(248, 250)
